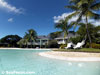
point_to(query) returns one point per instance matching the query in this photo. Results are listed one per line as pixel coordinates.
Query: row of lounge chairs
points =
(73, 46)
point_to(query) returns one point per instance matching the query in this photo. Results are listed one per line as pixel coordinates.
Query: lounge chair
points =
(79, 45)
(69, 45)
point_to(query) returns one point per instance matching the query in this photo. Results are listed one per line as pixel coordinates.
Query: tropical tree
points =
(84, 8)
(22, 42)
(93, 30)
(54, 35)
(64, 26)
(82, 31)
(11, 40)
(26, 39)
(30, 36)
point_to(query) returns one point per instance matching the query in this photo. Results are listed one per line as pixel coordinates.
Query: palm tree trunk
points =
(68, 38)
(90, 41)
(66, 35)
(27, 44)
(64, 42)
(31, 45)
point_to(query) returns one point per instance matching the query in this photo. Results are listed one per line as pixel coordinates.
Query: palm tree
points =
(82, 31)
(85, 8)
(30, 36)
(54, 35)
(26, 39)
(63, 25)
(22, 43)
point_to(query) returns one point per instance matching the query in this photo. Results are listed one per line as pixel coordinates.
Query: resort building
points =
(62, 40)
(42, 41)
(3, 44)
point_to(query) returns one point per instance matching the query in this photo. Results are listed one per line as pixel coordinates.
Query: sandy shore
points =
(25, 48)
(72, 56)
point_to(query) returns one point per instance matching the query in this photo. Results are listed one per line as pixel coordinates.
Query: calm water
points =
(30, 61)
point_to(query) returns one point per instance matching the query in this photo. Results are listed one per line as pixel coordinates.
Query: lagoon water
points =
(29, 61)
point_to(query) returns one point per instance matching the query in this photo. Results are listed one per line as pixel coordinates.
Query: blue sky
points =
(17, 16)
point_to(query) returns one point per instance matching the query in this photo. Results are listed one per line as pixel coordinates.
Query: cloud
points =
(4, 5)
(64, 15)
(10, 20)
(97, 23)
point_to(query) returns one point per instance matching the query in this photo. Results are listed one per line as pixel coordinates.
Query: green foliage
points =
(76, 39)
(63, 46)
(84, 8)
(64, 26)
(82, 29)
(87, 45)
(11, 40)
(21, 43)
(80, 50)
(53, 44)
(94, 45)
(9, 45)
(97, 40)
(30, 36)
(54, 35)
(93, 30)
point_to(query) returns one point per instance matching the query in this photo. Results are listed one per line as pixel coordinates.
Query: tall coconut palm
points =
(26, 39)
(22, 42)
(33, 35)
(85, 8)
(30, 36)
(63, 25)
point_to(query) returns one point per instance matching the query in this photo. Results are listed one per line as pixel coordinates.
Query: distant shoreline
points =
(72, 56)
(26, 48)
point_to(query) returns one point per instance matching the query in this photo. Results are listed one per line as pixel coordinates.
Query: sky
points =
(18, 16)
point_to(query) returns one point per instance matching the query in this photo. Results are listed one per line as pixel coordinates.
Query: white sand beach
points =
(72, 56)
(24, 49)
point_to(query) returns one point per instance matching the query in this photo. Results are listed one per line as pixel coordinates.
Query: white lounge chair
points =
(79, 45)
(69, 45)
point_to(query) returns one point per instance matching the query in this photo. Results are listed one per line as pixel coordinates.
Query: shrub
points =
(87, 45)
(94, 45)
(63, 46)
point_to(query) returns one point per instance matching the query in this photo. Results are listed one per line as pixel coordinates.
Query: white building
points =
(62, 40)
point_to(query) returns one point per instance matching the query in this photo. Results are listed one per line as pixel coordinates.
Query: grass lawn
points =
(91, 50)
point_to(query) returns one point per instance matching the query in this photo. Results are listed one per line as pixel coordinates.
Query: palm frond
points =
(73, 23)
(63, 25)
(81, 24)
(81, 2)
(93, 15)
(91, 1)
(60, 24)
(80, 17)
(72, 15)
(95, 6)
(73, 7)
(74, 1)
